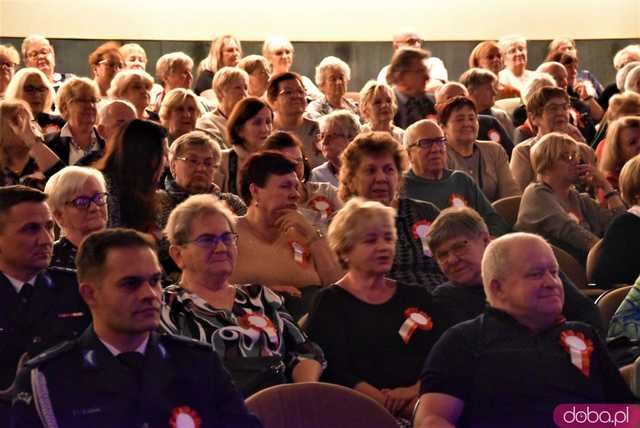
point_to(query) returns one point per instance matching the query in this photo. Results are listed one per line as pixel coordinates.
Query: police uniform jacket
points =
(82, 384)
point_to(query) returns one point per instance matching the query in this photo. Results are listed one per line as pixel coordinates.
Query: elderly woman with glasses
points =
(243, 323)
(78, 202)
(9, 60)
(31, 85)
(77, 102)
(332, 77)
(552, 208)
(38, 52)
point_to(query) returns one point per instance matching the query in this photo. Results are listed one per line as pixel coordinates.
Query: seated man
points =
(120, 372)
(458, 239)
(39, 307)
(512, 365)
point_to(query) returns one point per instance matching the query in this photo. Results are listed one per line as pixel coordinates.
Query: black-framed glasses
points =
(39, 89)
(428, 143)
(209, 240)
(83, 202)
(457, 249)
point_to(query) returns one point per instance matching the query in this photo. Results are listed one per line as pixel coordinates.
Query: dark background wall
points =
(365, 58)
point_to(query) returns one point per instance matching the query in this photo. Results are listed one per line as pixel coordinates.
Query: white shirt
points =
(141, 349)
(75, 152)
(437, 71)
(17, 284)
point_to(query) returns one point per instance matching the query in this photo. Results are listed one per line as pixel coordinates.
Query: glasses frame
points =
(98, 198)
(200, 241)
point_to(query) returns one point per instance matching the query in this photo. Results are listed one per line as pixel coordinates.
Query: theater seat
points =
(592, 259)
(609, 301)
(317, 405)
(508, 208)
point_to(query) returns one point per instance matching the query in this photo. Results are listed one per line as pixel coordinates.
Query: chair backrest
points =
(609, 301)
(592, 259)
(571, 267)
(316, 405)
(509, 105)
(508, 208)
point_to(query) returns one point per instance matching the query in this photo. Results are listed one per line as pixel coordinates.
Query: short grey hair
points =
(225, 76)
(331, 63)
(506, 41)
(69, 181)
(195, 139)
(106, 106)
(453, 222)
(32, 39)
(632, 79)
(125, 78)
(166, 63)
(621, 75)
(536, 81)
(343, 120)
(72, 89)
(181, 219)
(173, 98)
(273, 43)
(625, 55)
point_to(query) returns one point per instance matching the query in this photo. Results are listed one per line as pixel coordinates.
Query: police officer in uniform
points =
(39, 307)
(120, 372)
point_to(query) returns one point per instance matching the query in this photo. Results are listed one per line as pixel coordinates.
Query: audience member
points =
(179, 112)
(623, 57)
(9, 60)
(112, 115)
(514, 54)
(134, 86)
(173, 71)
(78, 202)
(580, 80)
(623, 143)
(372, 166)
(38, 52)
(105, 62)
(257, 67)
(243, 323)
(487, 55)
(367, 321)
(225, 51)
(522, 335)
(626, 104)
(378, 107)
(332, 77)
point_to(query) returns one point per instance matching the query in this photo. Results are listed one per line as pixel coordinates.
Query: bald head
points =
(450, 90)
(407, 38)
(557, 71)
(113, 116)
(422, 129)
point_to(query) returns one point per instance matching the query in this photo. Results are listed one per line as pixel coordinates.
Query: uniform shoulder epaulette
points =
(60, 269)
(51, 353)
(167, 337)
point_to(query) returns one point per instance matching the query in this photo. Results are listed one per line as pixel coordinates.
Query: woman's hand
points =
(294, 224)
(399, 399)
(27, 131)
(591, 175)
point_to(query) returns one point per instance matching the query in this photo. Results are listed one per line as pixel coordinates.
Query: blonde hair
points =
(625, 104)
(213, 61)
(125, 78)
(129, 48)
(181, 219)
(8, 110)
(369, 91)
(166, 63)
(629, 181)
(611, 159)
(16, 86)
(225, 76)
(10, 52)
(348, 224)
(175, 97)
(72, 89)
(273, 43)
(252, 62)
(549, 149)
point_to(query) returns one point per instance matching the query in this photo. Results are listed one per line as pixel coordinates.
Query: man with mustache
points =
(513, 364)
(39, 307)
(120, 372)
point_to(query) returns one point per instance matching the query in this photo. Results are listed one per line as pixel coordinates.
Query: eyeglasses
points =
(569, 157)
(35, 54)
(457, 249)
(209, 240)
(8, 65)
(290, 94)
(83, 202)
(30, 89)
(195, 162)
(413, 41)
(428, 143)
(556, 108)
(112, 65)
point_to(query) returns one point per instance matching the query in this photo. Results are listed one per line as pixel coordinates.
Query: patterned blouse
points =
(257, 325)
(626, 320)
(64, 254)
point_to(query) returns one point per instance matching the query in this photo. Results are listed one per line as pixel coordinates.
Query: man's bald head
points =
(556, 70)
(113, 115)
(422, 129)
(450, 90)
(407, 37)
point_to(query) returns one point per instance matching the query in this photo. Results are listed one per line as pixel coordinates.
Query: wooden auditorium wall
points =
(356, 31)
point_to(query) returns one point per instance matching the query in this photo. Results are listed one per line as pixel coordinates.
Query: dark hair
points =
(242, 112)
(402, 60)
(11, 196)
(564, 58)
(540, 98)
(130, 165)
(283, 140)
(446, 109)
(274, 83)
(107, 48)
(93, 251)
(259, 167)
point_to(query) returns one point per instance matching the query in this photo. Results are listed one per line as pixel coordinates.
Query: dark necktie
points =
(414, 111)
(132, 360)
(25, 293)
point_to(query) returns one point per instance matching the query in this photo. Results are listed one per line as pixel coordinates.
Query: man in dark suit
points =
(39, 307)
(120, 372)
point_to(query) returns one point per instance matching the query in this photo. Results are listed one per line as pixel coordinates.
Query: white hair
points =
(67, 182)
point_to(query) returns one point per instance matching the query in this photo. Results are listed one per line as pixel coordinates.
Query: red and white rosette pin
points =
(260, 323)
(458, 201)
(300, 253)
(322, 205)
(420, 230)
(184, 417)
(416, 319)
(494, 135)
(579, 348)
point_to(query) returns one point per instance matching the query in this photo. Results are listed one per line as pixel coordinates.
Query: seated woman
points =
(582, 77)
(623, 143)
(514, 53)
(337, 129)
(238, 321)
(77, 102)
(487, 55)
(248, 127)
(78, 202)
(378, 107)
(225, 51)
(173, 71)
(24, 158)
(134, 86)
(132, 167)
(31, 85)
(135, 58)
(278, 246)
(105, 62)
(368, 321)
(9, 60)
(179, 113)
(318, 201)
(257, 67)
(617, 262)
(372, 168)
(620, 105)
(332, 77)
(429, 180)
(487, 162)
(552, 208)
